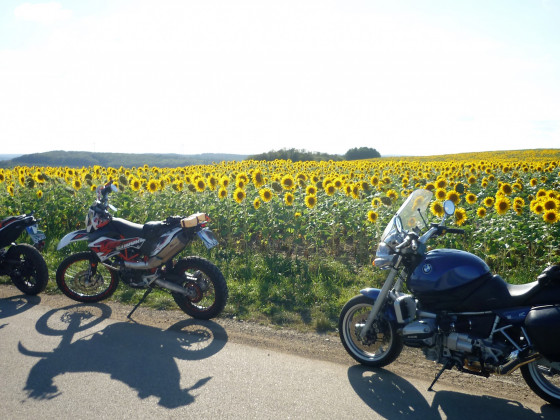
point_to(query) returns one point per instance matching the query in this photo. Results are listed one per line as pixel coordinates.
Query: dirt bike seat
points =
(127, 229)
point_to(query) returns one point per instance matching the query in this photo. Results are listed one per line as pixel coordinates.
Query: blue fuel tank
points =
(446, 270)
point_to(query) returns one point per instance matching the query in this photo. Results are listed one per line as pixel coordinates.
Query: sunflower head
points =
(239, 195)
(310, 201)
(372, 216)
(502, 205)
(266, 194)
(289, 199)
(437, 209)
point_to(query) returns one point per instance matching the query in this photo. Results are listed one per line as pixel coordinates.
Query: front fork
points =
(381, 298)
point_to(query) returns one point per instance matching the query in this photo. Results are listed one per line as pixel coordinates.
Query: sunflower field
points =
(297, 238)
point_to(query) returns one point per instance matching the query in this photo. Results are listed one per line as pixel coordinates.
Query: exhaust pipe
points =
(174, 287)
(516, 363)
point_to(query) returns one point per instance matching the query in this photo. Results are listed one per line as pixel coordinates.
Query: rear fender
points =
(77, 235)
(389, 311)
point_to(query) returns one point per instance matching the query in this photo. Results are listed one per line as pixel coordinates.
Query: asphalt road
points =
(76, 362)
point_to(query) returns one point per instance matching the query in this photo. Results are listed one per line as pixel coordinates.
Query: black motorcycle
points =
(22, 262)
(459, 313)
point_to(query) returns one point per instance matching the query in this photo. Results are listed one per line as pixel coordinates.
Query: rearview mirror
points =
(449, 207)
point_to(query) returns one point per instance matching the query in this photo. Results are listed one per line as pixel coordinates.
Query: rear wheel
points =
(83, 278)
(28, 271)
(207, 288)
(543, 377)
(380, 346)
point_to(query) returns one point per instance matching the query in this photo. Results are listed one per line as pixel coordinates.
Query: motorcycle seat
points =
(522, 290)
(128, 229)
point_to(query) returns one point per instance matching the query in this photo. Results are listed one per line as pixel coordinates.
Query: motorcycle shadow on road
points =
(15, 305)
(391, 396)
(143, 357)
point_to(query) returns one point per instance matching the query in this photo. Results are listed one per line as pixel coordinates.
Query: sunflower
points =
(330, 189)
(437, 209)
(502, 205)
(77, 184)
(288, 182)
(11, 189)
(481, 212)
(289, 199)
(224, 181)
(39, 194)
(311, 190)
(441, 183)
(200, 185)
(372, 216)
(338, 183)
(471, 198)
(506, 189)
(222, 193)
(537, 207)
(266, 194)
(375, 202)
(135, 184)
(392, 194)
(212, 182)
(239, 195)
(440, 194)
(258, 178)
(551, 216)
(152, 185)
(310, 201)
(489, 201)
(177, 185)
(256, 203)
(453, 196)
(460, 216)
(550, 204)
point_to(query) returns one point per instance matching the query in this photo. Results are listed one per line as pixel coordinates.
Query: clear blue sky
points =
(405, 77)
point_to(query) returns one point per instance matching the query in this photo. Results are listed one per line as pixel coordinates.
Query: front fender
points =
(389, 311)
(77, 235)
(370, 292)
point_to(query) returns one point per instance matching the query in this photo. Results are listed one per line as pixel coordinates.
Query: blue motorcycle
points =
(459, 313)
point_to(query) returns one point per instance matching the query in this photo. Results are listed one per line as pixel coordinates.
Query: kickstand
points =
(148, 291)
(448, 365)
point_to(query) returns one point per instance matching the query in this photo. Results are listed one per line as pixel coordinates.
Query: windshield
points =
(410, 214)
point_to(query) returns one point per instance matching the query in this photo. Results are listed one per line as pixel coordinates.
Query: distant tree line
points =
(361, 153)
(297, 155)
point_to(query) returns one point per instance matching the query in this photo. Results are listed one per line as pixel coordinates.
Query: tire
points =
(74, 278)
(210, 291)
(543, 377)
(380, 347)
(30, 273)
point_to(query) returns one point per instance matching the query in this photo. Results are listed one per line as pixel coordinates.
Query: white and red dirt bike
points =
(142, 256)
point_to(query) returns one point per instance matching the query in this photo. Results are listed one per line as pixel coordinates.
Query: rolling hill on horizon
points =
(79, 159)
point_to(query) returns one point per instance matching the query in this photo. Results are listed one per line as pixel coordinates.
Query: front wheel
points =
(208, 291)
(83, 278)
(380, 346)
(543, 377)
(28, 269)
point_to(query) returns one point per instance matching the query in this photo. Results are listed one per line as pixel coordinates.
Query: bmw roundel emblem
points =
(427, 268)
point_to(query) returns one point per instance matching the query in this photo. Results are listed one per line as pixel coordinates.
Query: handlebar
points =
(452, 230)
